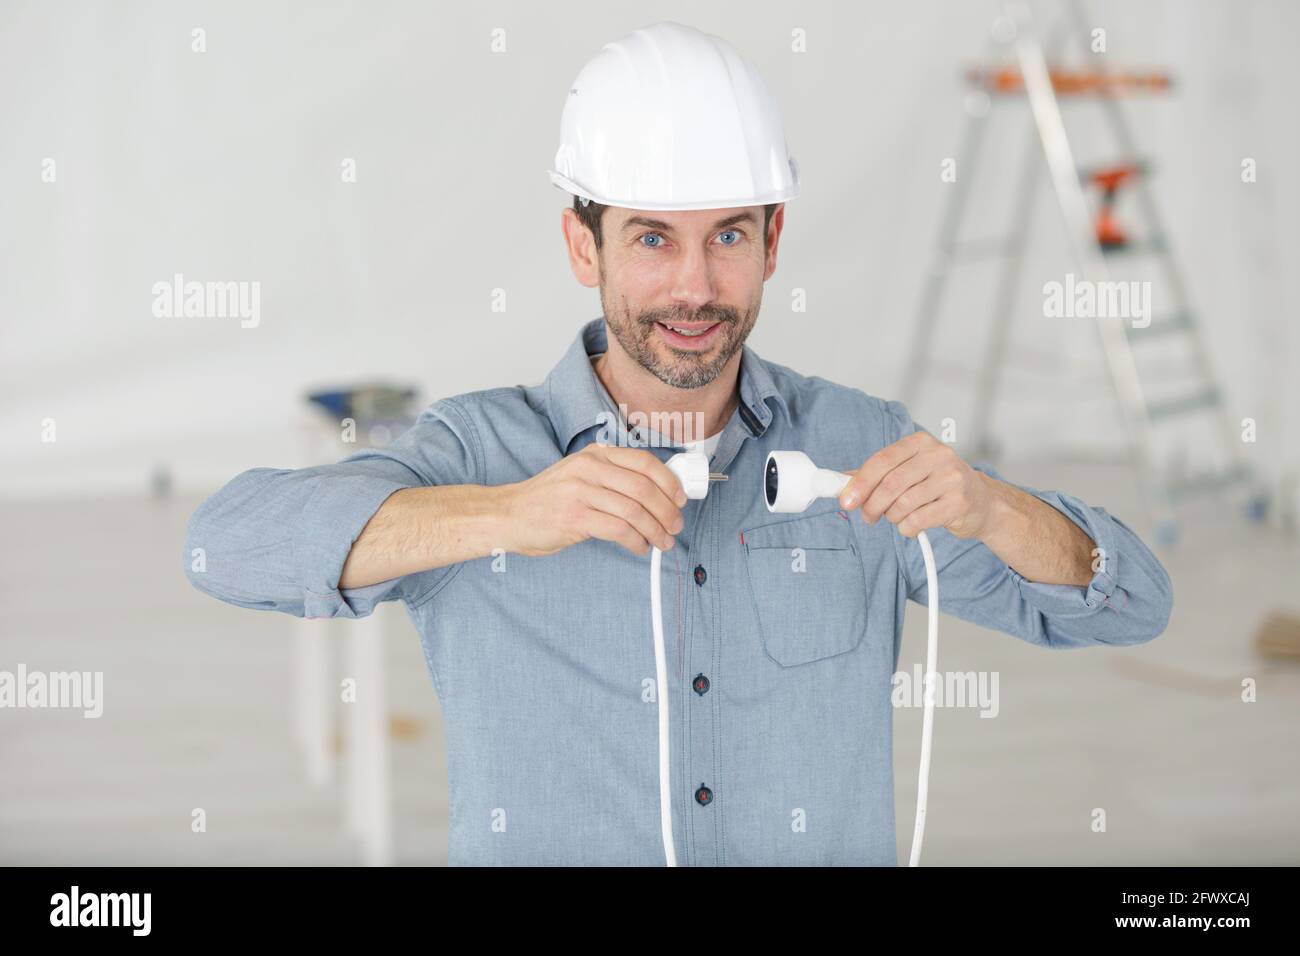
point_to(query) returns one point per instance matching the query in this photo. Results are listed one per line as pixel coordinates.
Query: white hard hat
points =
(672, 118)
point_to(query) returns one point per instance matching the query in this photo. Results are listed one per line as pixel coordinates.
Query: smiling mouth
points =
(688, 336)
(690, 331)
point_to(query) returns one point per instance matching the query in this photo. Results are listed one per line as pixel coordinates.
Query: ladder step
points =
(1207, 398)
(1140, 166)
(1155, 245)
(1034, 360)
(989, 247)
(950, 371)
(1161, 325)
(1203, 483)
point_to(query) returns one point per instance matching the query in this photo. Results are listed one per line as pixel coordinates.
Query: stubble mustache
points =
(723, 316)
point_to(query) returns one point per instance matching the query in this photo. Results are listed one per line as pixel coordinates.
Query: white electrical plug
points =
(692, 470)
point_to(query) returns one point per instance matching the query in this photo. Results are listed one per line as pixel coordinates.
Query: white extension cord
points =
(791, 482)
(692, 469)
(661, 689)
(931, 672)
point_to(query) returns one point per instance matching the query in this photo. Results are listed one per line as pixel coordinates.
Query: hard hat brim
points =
(568, 185)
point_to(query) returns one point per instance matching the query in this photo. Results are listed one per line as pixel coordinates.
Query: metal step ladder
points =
(1047, 146)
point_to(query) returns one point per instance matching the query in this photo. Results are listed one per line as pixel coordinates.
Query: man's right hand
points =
(623, 495)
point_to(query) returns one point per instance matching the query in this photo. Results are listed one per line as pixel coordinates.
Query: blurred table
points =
(348, 420)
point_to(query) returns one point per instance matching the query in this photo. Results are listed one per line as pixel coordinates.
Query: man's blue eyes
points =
(655, 235)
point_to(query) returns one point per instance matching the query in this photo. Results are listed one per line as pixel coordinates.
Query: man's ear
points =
(584, 258)
(773, 237)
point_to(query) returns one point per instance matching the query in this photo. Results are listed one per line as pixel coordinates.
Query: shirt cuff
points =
(333, 518)
(1069, 600)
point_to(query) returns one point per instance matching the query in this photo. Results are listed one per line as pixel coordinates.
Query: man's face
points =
(681, 290)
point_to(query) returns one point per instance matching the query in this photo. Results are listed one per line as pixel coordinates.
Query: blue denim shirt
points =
(779, 661)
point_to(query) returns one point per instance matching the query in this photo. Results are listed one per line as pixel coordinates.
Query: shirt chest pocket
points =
(808, 587)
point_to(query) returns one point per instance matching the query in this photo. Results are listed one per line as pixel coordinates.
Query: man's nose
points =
(693, 283)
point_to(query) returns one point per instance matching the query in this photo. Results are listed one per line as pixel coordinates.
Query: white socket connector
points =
(791, 482)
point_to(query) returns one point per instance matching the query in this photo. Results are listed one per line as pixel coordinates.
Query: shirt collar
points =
(577, 399)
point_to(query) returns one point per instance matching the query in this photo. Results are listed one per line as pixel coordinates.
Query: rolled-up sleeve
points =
(277, 538)
(1128, 600)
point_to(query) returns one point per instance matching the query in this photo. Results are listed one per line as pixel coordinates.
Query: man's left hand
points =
(918, 482)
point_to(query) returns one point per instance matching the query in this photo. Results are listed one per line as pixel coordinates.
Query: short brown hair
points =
(590, 216)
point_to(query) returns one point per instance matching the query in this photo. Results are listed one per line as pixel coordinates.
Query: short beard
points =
(686, 369)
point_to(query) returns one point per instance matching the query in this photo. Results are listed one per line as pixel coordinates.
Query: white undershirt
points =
(706, 445)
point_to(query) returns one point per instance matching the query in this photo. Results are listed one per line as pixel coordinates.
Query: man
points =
(515, 523)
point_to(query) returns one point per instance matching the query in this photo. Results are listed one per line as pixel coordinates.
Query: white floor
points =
(198, 714)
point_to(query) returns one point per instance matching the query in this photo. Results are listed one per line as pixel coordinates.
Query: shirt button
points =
(701, 684)
(703, 796)
(700, 575)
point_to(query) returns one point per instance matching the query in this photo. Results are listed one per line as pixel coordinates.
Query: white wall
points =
(225, 166)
